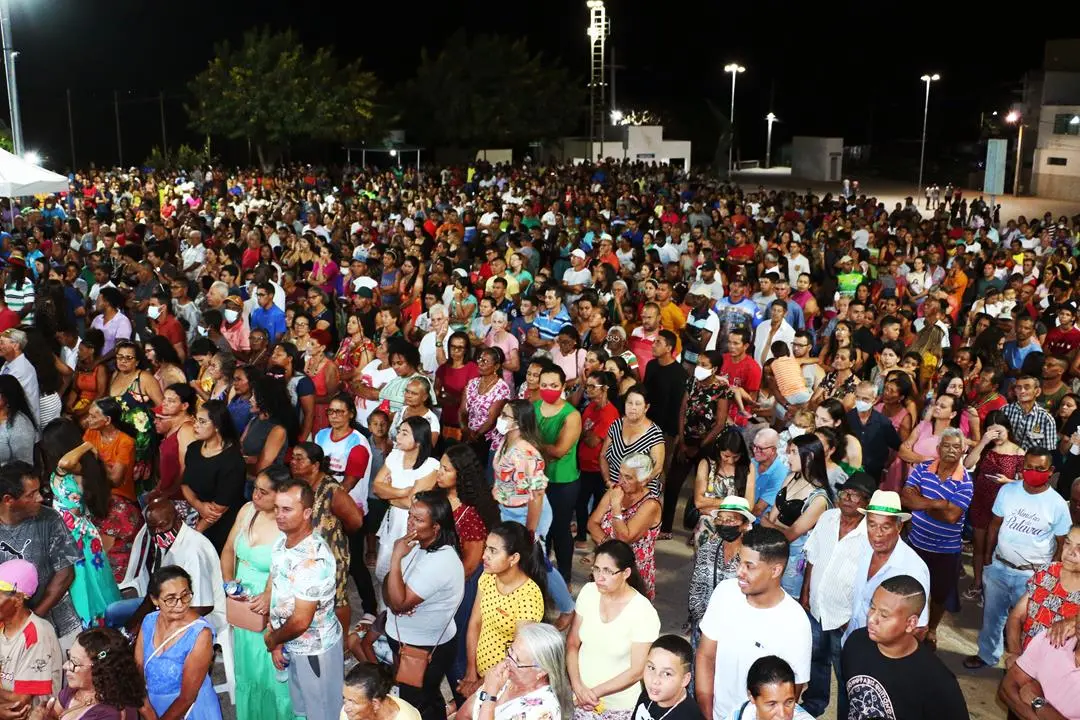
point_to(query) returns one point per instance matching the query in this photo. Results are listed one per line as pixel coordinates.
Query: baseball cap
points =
(364, 292)
(18, 576)
(708, 265)
(578, 252)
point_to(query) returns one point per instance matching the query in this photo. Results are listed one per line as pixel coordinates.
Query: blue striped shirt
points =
(549, 326)
(928, 533)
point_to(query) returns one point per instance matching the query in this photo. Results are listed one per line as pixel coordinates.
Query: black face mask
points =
(728, 533)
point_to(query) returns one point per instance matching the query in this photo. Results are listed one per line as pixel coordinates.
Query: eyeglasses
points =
(852, 495)
(519, 666)
(336, 411)
(125, 357)
(177, 600)
(75, 667)
(604, 572)
(763, 448)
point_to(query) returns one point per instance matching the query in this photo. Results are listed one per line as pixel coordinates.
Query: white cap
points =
(578, 252)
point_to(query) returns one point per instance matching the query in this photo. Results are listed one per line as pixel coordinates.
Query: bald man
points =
(166, 540)
(888, 672)
(770, 469)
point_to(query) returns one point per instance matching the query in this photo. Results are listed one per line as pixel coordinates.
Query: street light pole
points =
(771, 118)
(734, 69)
(926, 111)
(9, 72)
(1015, 117)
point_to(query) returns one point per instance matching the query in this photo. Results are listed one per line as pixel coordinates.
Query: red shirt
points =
(745, 374)
(598, 421)
(8, 319)
(1061, 342)
(741, 254)
(250, 258)
(171, 329)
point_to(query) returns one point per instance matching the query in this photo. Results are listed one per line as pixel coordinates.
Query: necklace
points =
(670, 708)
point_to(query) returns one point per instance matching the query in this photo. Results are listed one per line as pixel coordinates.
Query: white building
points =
(644, 143)
(817, 158)
(1055, 172)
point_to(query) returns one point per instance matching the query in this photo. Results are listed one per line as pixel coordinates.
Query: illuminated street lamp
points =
(926, 111)
(616, 117)
(734, 69)
(770, 118)
(1014, 117)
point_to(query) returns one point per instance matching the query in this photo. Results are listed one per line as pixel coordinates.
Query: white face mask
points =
(502, 425)
(701, 373)
(231, 315)
(202, 331)
(153, 312)
(863, 406)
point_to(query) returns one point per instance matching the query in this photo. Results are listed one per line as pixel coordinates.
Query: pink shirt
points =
(1056, 671)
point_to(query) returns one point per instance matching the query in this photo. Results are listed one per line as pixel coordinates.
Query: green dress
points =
(259, 695)
(564, 469)
(94, 587)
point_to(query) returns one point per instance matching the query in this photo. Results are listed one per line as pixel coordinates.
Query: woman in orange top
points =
(116, 450)
(91, 379)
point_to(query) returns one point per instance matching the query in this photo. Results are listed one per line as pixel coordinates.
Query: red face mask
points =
(550, 396)
(1036, 478)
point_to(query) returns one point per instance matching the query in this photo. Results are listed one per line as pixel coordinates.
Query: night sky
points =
(851, 70)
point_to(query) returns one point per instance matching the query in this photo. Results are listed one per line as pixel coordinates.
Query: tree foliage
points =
(489, 91)
(276, 93)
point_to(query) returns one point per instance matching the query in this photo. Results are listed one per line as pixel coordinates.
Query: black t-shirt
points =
(870, 345)
(915, 687)
(666, 385)
(218, 479)
(646, 709)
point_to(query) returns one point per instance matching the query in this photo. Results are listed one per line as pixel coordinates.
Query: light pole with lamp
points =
(1015, 117)
(734, 69)
(9, 73)
(770, 118)
(926, 111)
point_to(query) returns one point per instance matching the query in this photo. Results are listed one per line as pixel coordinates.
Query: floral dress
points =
(702, 402)
(329, 526)
(478, 406)
(835, 388)
(540, 704)
(645, 546)
(348, 358)
(1049, 601)
(94, 587)
(710, 569)
(135, 406)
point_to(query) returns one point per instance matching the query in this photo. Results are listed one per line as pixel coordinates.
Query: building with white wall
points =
(1055, 171)
(644, 143)
(817, 158)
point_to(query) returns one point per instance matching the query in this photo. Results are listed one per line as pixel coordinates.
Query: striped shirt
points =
(17, 298)
(618, 450)
(928, 533)
(549, 326)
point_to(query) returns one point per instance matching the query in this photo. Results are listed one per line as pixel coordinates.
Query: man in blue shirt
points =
(770, 470)
(1028, 529)
(267, 315)
(553, 317)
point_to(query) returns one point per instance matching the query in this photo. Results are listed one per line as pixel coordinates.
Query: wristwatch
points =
(485, 696)
(1037, 703)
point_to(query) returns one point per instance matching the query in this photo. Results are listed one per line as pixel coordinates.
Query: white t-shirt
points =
(376, 378)
(431, 417)
(429, 362)
(744, 633)
(194, 255)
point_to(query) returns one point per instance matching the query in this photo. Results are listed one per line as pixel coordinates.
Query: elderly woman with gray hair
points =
(630, 512)
(531, 683)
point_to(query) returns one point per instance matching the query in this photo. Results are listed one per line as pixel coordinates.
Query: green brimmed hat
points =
(736, 504)
(886, 502)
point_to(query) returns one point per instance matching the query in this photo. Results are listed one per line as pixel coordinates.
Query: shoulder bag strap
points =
(169, 639)
(434, 647)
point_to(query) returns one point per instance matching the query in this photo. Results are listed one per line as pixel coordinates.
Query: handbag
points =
(412, 661)
(238, 613)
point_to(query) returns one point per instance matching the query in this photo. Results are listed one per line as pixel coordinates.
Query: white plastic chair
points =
(225, 642)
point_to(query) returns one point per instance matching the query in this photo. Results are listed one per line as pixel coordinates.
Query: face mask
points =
(550, 396)
(863, 406)
(701, 373)
(728, 533)
(1036, 478)
(153, 312)
(165, 540)
(203, 331)
(502, 425)
(231, 315)
(1074, 449)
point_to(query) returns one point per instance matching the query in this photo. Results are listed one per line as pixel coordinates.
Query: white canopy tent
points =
(19, 178)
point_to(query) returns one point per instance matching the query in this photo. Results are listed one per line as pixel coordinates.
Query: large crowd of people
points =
(228, 398)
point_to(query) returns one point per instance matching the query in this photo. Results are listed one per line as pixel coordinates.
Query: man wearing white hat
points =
(576, 277)
(885, 556)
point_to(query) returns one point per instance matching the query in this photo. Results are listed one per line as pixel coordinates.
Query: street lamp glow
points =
(930, 78)
(1012, 117)
(33, 157)
(616, 117)
(393, 153)
(734, 68)
(1075, 120)
(770, 118)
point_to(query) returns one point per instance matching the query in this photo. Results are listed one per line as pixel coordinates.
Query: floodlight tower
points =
(598, 30)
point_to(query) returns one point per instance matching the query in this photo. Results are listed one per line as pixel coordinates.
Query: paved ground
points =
(891, 192)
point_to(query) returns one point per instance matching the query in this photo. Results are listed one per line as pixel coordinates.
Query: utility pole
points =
(9, 72)
(164, 142)
(71, 132)
(119, 143)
